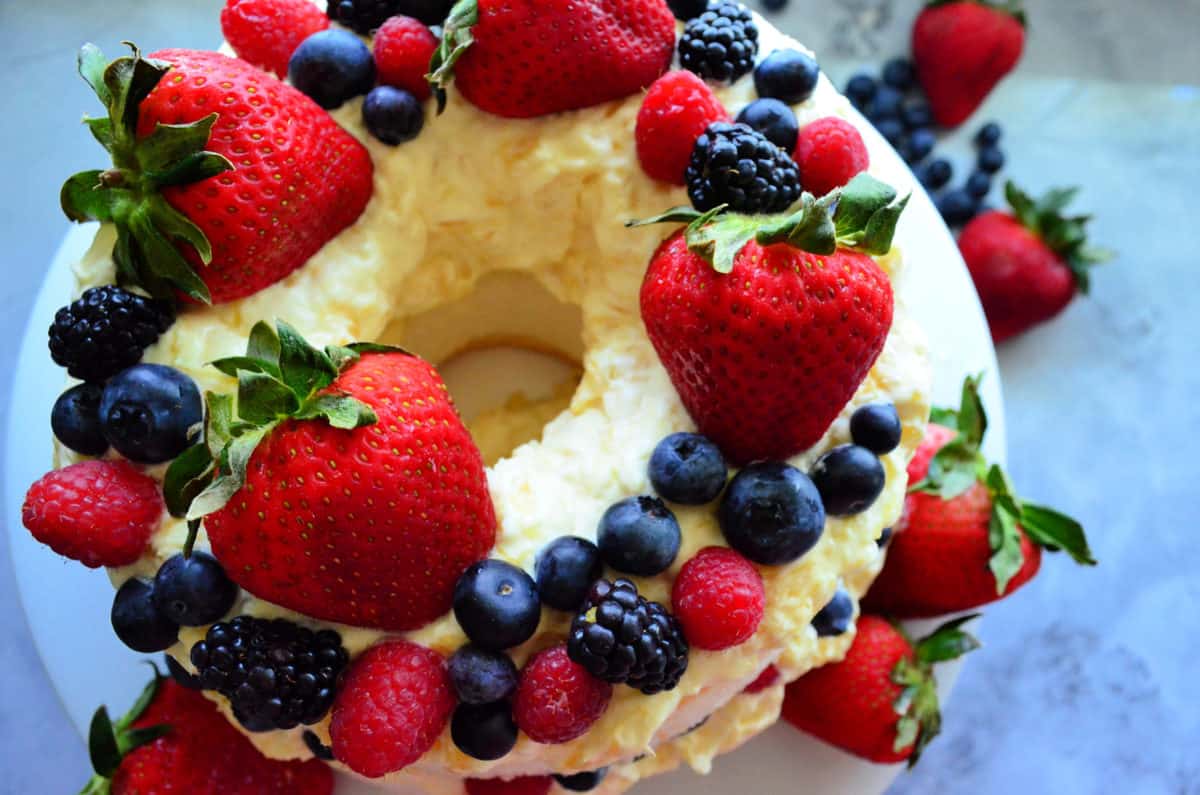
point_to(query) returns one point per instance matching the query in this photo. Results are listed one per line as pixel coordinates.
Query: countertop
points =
(1087, 680)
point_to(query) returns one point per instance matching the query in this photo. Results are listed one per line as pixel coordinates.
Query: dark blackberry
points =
(736, 165)
(105, 331)
(275, 674)
(620, 637)
(721, 43)
(364, 16)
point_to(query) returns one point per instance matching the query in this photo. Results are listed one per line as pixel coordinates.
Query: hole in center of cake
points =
(510, 353)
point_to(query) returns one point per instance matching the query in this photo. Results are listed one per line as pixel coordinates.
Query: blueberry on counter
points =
(639, 535)
(849, 478)
(979, 184)
(484, 731)
(582, 782)
(788, 75)
(136, 620)
(917, 115)
(480, 676)
(887, 104)
(393, 115)
(892, 130)
(917, 146)
(688, 468)
(332, 66)
(497, 605)
(771, 513)
(876, 427)
(774, 119)
(861, 90)
(565, 571)
(834, 618)
(75, 420)
(148, 412)
(957, 207)
(991, 159)
(936, 174)
(899, 73)
(193, 591)
(988, 135)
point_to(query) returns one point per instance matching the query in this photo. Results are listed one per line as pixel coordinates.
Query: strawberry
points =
(524, 785)
(402, 49)
(175, 742)
(675, 111)
(965, 539)
(344, 486)
(767, 324)
(265, 33)
(278, 180)
(962, 49)
(1028, 264)
(525, 58)
(879, 703)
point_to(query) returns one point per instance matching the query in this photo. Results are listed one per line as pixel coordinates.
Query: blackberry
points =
(735, 165)
(275, 674)
(620, 637)
(105, 331)
(721, 43)
(364, 16)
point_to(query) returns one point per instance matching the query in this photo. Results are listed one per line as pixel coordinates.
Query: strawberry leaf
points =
(234, 461)
(1005, 541)
(304, 368)
(92, 63)
(265, 346)
(867, 214)
(1054, 530)
(263, 399)
(102, 744)
(109, 743)
(186, 477)
(947, 642)
(342, 411)
(457, 38)
(811, 228)
(960, 463)
(1065, 235)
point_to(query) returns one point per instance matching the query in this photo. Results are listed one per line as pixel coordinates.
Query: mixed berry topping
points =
(772, 513)
(639, 535)
(688, 468)
(836, 616)
(876, 427)
(137, 621)
(849, 479)
(734, 165)
(105, 331)
(332, 66)
(482, 677)
(484, 731)
(194, 590)
(149, 413)
(788, 75)
(721, 43)
(565, 571)
(75, 420)
(497, 605)
(774, 119)
(719, 599)
(393, 115)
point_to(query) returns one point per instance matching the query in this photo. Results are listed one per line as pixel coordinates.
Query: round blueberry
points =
(957, 207)
(936, 174)
(182, 675)
(916, 115)
(899, 74)
(887, 104)
(788, 75)
(861, 90)
(834, 618)
(774, 6)
(332, 66)
(687, 9)
(318, 749)
(771, 513)
(480, 676)
(75, 420)
(497, 605)
(582, 782)
(892, 130)
(774, 119)
(885, 536)
(565, 571)
(849, 478)
(639, 535)
(149, 412)
(393, 115)
(193, 591)
(136, 620)
(979, 184)
(918, 145)
(991, 159)
(988, 135)
(688, 468)
(484, 731)
(876, 427)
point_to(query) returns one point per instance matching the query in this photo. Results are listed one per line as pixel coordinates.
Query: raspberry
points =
(830, 153)
(403, 47)
(526, 785)
(394, 702)
(768, 677)
(676, 110)
(267, 32)
(100, 513)
(557, 699)
(718, 597)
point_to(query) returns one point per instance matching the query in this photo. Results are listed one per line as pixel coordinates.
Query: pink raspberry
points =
(403, 47)
(718, 597)
(678, 107)
(830, 153)
(557, 699)
(526, 785)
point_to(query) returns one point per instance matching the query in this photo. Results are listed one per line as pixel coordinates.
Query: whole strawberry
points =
(225, 179)
(767, 325)
(1028, 264)
(175, 742)
(525, 58)
(265, 33)
(348, 488)
(965, 539)
(962, 49)
(879, 703)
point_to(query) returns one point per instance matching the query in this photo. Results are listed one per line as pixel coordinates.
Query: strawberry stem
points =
(457, 38)
(1065, 235)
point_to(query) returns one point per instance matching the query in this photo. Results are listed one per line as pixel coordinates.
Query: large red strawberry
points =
(348, 488)
(879, 703)
(524, 58)
(225, 179)
(1028, 264)
(768, 325)
(965, 539)
(962, 49)
(175, 742)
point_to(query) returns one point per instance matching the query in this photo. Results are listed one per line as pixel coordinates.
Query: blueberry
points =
(885, 535)
(497, 605)
(771, 513)
(639, 535)
(137, 622)
(892, 130)
(876, 427)
(774, 5)
(480, 676)
(193, 591)
(565, 571)
(318, 749)
(979, 184)
(149, 412)
(393, 115)
(332, 66)
(788, 75)
(918, 145)
(182, 675)
(849, 478)
(988, 135)
(957, 207)
(991, 159)
(834, 618)
(484, 731)
(861, 90)
(774, 119)
(688, 468)
(936, 174)
(687, 9)
(899, 74)
(916, 115)
(887, 104)
(75, 419)
(582, 782)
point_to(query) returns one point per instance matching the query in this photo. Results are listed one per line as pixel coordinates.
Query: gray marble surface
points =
(1087, 683)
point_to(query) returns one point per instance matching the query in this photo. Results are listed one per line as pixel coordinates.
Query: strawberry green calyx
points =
(917, 706)
(457, 37)
(1013, 8)
(129, 194)
(960, 464)
(109, 743)
(1065, 235)
(861, 216)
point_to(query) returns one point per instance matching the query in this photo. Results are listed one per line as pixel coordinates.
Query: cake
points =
(486, 229)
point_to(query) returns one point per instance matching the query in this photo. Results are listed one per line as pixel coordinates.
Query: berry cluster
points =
(189, 591)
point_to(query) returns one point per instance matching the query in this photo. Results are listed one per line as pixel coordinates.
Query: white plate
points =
(67, 605)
